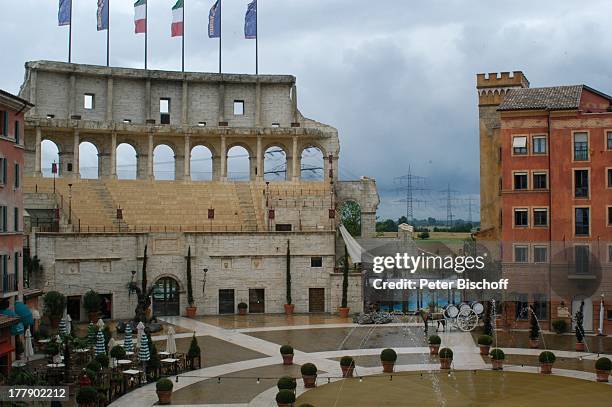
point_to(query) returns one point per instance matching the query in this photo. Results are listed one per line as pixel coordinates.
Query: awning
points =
(17, 328)
(24, 313)
(354, 249)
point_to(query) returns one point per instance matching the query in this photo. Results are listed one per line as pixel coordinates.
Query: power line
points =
(409, 185)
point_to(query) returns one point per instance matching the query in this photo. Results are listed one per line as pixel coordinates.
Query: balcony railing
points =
(9, 283)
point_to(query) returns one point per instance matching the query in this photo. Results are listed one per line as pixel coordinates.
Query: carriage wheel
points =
(467, 320)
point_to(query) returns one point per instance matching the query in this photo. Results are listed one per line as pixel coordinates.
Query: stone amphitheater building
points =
(92, 233)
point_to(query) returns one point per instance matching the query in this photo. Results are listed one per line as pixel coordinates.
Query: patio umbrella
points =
(601, 316)
(100, 349)
(62, 327)
(111, 343)
(171, 342)
(68, 323)
(140, 328)
(128, 344)
(91, 334)
(27, 346)
(100, 324)
(143, 353)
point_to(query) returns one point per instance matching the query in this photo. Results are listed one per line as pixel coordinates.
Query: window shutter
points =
(4, 168)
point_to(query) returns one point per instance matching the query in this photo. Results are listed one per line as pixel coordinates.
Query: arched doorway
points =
(349, 214)
(49, 155)
(163, 162)
(238, 164)
(201, 163)
(166, 297)
(275, 164)
(88, 160)
(312, 164)
(127, 161)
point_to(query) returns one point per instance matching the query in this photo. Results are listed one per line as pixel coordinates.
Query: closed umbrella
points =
(28, 348)
(68, 323)
(140, 328)
(128, 344)
(100, 324)
(91, 334)
(171, 342)
(111, 343)
(100, 349)
(601, 315)
(143, 353)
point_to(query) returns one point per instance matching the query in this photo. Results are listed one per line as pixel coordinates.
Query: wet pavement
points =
(362, 337)
(215, 351)
(270, 320)
(405, 359)
(520, 339)
(585, 365)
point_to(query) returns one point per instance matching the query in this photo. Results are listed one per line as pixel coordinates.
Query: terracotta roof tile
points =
(554, 98)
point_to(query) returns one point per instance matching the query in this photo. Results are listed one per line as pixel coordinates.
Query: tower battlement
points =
(501, 80)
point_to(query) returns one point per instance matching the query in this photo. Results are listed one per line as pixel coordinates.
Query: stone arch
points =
(127, 161)
(89, 163)
(166, 295)
(312, 163)
(239, 165)
(275, 162)
(348, 213)
(201, 162)
(364, 193)
(51, 151)
(164, 161)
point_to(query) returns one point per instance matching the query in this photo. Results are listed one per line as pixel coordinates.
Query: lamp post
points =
(204, 280)
(70, 204)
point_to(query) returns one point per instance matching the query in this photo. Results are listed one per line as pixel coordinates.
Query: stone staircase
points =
(247, 209)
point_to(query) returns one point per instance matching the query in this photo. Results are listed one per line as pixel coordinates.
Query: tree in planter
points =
(434, 344)
(309, 375)
(497, 358)
(286, 383)
(580, 328)
(285, 398)
(191, 309)
(54, 305)
(559, 326)
(546, 358)
(163, 388)
(388, 357)
(484, 342)
(194, 352)
(92, 303)
(289, 307)
(143, 293)
(347, 365)
(488, 326)
(286, 352)
(446, 358)
(344, 310)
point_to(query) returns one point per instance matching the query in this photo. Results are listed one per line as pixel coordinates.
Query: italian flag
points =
(140, 16)
(177, 19)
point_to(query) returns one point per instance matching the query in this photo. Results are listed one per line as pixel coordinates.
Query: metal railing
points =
(77, 228)
(9, 283)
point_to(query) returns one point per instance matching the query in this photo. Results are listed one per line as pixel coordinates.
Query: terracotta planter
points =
(579, 346)
(602, 375)
(388, 367)
(164, 397)
(242, 311)
(546, 368)
(284, 405)
(93, 316)
(445, 363)
(344, 311)
(497, 364)
(310, 381)
(484, 349)
(347, 371)
(288, 359)
(433, 349)
(289, 309)
(534, 343)
(191, 311)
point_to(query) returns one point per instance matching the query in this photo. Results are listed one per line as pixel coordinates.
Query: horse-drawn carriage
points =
(465, 316)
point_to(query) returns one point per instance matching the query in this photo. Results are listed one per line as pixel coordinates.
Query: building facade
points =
(12, 110)
(553, 220)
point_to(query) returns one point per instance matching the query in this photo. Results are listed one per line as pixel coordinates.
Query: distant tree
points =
(431, 221)
(350, 215)
(386, 225)
(402, 219)
(424, 235)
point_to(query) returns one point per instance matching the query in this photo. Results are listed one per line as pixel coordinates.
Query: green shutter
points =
(4, 169)
(17, 131)
(16, 175)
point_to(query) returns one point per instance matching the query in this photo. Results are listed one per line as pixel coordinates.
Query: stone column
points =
(294, 103)
(113, 156)
(72, 95)
(260, 164)
(184, 105)
(223, 159)
(75, 156)
(187, 160)
(147, 103)
(150, 174)
(257, 104)
(37, 147)
(295, 160)
(221, 102)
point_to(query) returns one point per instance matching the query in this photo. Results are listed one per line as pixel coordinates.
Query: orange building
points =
(555, 211)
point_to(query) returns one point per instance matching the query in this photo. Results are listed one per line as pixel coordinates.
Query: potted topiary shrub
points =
(347, 364)
(603, 367)
(446, 358)
(191, 308)
(117, 352)
(286, 383)
(102, 360)
(344, 309)
(580, 329)
(546, 358)
(434, 344)
(92, 302)
(289, 306)
(285, 398)
(242, 308)
(286, 352)
(484, 342)
(497, 359)
(54, 305)
(163, 388)
(388, 357)
(194, 353)
(309, 375)
(87, 396)
(534, 330)
(559, 326)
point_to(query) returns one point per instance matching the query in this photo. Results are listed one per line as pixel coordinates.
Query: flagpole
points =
(146, 30)
(70, 36)
(183, 41)
(256, 38)
(220, 32)
(108, 33)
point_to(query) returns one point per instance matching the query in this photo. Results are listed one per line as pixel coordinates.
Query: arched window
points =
(88, 160)
(275, 164)
(163, 162)
(127, 161)
(350, 217)
(201, 164)
(166, 297)
(312, 164)
(49, 155)
(238, 164)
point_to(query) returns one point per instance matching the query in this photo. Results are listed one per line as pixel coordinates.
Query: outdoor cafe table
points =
(172, 362)
(82, 355)
(124, 362)
(132, 373)
(54, 373)
(164, 353)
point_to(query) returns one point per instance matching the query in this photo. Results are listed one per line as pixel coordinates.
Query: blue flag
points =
(63, 14)
(102, 15)
(250, 21)
(214, 20)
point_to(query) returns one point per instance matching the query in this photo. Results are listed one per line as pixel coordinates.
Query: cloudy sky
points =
(396, 77)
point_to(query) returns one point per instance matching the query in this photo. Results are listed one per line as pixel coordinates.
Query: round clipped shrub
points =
(87, 395)
(286, 350)
(547, 357)
(94, 365)
(434, 340)
(53, 349)
(285, 397)
(347, 361)
(445, 353)
(308, 369)
(164, 385)
(92, 301)
(242, 305)
(388, 355)
(603, 364)
(485, 340)
(559, 326)
(118, 352)
(102, 360)
(497, 354)
(286, 383)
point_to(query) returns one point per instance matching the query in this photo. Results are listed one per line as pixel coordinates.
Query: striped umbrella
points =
(128, 344)
(62, 327)
(91, 334)
(100, 349)
(143, 353)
